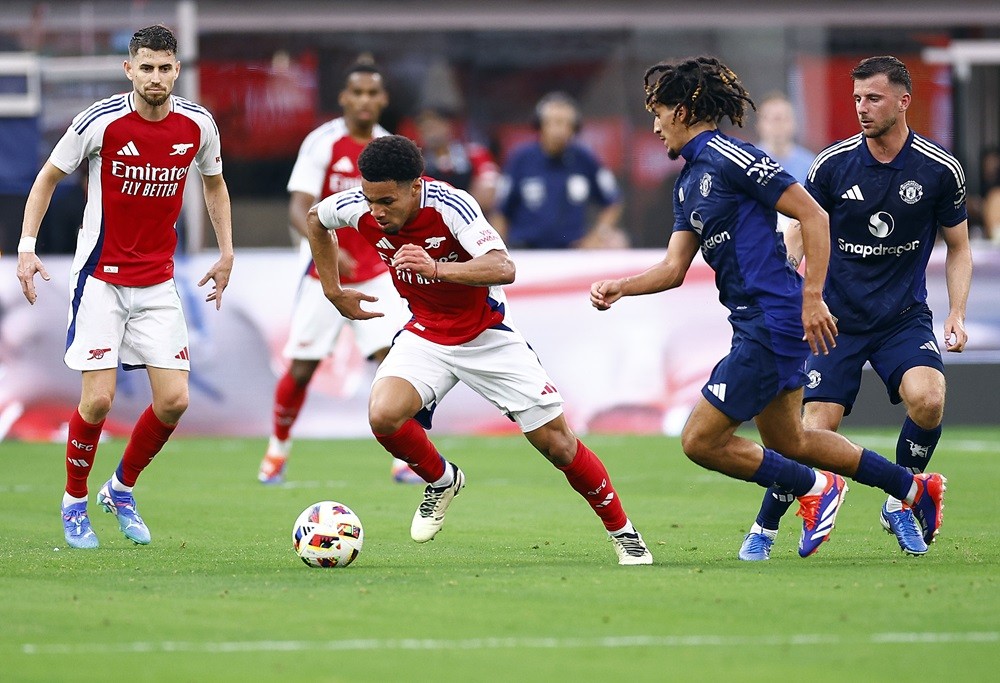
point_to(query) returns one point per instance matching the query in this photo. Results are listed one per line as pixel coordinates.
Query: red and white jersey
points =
(328, 164)
(450, 226)
(137, 173)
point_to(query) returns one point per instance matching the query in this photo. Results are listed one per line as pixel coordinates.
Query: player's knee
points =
(384, 421)
(171, 407)
(928, 410)
(95, 407)
(695, 448)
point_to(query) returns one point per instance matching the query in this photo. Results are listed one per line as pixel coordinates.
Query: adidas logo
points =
(384, 244)
(548, 389)
(930, 346)
(344, 165)
(719, 390)
(129, 150)
(853, 193)
(183, 355)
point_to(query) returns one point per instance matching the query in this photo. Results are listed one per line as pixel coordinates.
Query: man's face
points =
(558, 126)
(435, 130)
(363, 99)
(392, 204)
(879, 104)
(776, 122)
(153, 75)
(671, 131)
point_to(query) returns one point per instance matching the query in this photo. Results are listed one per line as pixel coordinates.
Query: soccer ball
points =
(327, 534)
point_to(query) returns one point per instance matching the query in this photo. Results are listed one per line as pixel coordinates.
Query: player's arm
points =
(667, 274)
(326, 254)
(220, 213)
(37, 204)
(495, 267)
(792, 234)
(817, 321)
(958, 276)
(299, 204)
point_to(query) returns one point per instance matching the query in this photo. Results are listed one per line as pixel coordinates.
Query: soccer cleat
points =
(76, 524)
(429, 517)
(272, 469)
(819, 513)
(756, 547)
(122, 505)
(904, 527)
(631, 548)
(403, 474)
(928, 508)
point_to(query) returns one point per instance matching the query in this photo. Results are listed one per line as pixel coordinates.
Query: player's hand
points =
(219, 275)
(348, 302)
(604, 293)
(955, 336)
(414, 259)
(28, 264)
(819, 324)
(346, 264)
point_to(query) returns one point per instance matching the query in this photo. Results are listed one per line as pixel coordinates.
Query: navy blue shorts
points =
(909, 343)
(761, 364)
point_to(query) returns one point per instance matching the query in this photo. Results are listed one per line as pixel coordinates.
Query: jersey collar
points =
(694, 146)
(897, 163)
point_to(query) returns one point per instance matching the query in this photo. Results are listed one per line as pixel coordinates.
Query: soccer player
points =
(328, 163)
(140, 146)
(725, 200)
(449, 264)
(887, 191)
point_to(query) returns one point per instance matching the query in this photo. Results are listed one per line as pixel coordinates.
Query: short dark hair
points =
(362, 66)
(157, 38)
(893, 69)
(391, 157)
(707, 88)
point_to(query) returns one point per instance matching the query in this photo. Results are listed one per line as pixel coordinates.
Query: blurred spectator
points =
(985, 209)
(776, 129)
(61, 224)
(547, 186)
(448, 157)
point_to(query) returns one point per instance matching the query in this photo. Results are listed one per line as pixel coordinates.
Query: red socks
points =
(410, 444)
(81, 449)
(288, 400)
(148, 437)
(588, 477)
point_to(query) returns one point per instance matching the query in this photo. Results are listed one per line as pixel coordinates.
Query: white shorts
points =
(138, 326)
(498, 365)
(316, 322)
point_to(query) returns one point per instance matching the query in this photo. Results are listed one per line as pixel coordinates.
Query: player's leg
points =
(155, 338)
(588, 476)
(374, 339)
(414, 376)
(314, 328)
(909, 363)
(96, 326)
(757, 543)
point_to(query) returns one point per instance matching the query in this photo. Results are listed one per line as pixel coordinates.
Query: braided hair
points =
(708, 90)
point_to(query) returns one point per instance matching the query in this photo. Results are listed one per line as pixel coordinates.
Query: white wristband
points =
(27, 245)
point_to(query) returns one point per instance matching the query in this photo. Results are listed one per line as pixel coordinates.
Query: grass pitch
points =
(519, 585)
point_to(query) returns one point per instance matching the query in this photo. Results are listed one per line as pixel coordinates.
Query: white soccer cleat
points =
(631, 548)
(429, 517)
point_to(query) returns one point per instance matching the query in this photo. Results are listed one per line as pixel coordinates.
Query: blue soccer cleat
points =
(903, 526)
(122, 505)
(756, 547)
(819, 513)
(928, 508)
(402, 473)
(76, 524)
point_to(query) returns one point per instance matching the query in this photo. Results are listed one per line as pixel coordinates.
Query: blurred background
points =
(271, 71)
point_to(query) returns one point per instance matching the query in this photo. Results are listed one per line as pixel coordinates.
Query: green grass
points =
(520, 585)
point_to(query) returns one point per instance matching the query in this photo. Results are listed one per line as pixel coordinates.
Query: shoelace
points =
(631, 543)
(431, 498)
(759, 543)
(808, 509)
(907, 524)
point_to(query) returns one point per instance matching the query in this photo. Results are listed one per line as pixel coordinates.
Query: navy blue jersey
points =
(545, 198)
(883, 222)
(726, 194)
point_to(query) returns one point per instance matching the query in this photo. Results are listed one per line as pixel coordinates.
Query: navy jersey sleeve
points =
(603, 186)
(680, 222)
(950, 209)
(758, 176)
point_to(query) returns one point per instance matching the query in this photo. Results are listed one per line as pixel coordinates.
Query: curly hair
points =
(157, 38)
(893, 69)
(707, 89)
(392, 157)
